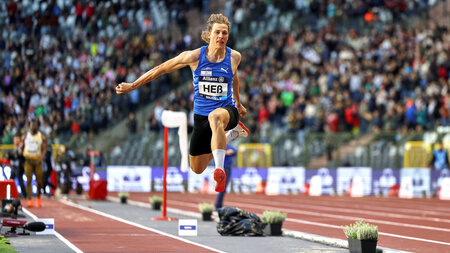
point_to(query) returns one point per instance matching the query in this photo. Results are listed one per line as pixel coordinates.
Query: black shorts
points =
(201, 136)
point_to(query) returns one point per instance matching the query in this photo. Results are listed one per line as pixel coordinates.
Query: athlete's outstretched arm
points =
(182, 60)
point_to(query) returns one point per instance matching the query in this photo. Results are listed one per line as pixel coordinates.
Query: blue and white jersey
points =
(213, 84)
(440, 159)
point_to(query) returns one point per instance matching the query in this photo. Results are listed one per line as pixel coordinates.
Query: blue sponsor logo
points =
(188, 227)
(48, 226)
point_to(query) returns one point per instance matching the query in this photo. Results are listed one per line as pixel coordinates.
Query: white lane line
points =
(58, 235)
(348, 210)
(392, 223)
(169, 209)
(137, 225)
(331, 241)
(380, 233)
(335, 204)
(414, 238)
(293, 233)
(296, 211)
(335, 226)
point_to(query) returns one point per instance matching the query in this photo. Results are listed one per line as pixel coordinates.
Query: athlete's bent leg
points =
(218, 121)
(199, 162)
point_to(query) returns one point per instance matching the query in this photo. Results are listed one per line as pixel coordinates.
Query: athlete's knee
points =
(197, 170)
(215, 120)
(196, 166)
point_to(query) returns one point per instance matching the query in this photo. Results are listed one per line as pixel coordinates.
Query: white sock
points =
(231, 135)
(219, 157)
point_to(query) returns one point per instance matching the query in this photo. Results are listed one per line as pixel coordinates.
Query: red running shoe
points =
(221, 178)
(239, 131)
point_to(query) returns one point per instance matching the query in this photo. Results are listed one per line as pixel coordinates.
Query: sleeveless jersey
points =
(213, 84)
(33, 146)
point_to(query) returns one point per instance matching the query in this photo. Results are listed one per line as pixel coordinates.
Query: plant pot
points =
(206, 216)
(123, 200)
(362, 246)
(156, 206)
(273, 229)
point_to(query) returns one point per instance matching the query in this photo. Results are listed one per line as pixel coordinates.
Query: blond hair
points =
(214, 19)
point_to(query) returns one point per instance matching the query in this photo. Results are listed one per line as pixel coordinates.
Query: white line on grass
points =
(60, 237)
(137, 225)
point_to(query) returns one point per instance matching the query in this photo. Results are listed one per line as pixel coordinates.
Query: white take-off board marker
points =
(187, 227)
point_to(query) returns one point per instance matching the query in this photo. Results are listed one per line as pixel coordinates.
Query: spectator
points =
(132, 124)
(17, 162)
(439, 159)
(384, 66)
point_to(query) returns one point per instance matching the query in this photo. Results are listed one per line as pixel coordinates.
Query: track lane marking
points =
(138, 225)
(58, 235)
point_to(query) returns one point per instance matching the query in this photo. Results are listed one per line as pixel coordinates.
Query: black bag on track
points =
(237, 222)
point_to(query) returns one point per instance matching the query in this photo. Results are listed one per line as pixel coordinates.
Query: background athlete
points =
(34, 148)
(214, 69)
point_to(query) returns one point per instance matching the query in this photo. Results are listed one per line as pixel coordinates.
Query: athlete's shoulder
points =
(190, 55)
(236, 55)
(195, 53)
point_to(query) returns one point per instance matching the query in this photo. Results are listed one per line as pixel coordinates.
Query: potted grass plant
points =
(206, 209)
(123, 196)
(274, 221)
(362, 237)
(156, 202)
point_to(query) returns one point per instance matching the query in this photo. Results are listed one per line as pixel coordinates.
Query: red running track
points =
(92, 232)
(416, 225)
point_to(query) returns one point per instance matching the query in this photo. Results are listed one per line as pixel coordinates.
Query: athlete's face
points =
(218, 35)
(34, 126)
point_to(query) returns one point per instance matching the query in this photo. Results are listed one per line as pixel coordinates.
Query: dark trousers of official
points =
(18, 172)
(46, 178)
(219, 200)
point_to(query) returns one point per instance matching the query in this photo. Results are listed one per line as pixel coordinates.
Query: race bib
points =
(215, 88)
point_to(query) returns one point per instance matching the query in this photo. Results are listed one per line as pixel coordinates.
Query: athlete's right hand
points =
(242, 110)
(124, 88)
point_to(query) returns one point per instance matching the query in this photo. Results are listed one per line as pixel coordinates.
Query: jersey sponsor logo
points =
(224, 70)
(206, 73)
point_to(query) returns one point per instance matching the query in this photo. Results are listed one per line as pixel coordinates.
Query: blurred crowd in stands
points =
(62, 59)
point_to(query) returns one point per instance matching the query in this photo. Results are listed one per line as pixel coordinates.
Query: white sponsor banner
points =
(315, 186)
(129, 178)
(174, 179)
(346, 175)
(202, 182)
(382, 182)
(406, 188)
(247, 180)
(420, 180)
(284, 180)
(445, 189)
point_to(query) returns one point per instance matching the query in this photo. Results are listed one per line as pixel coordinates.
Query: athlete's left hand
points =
(242, 111)
(124, 88)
